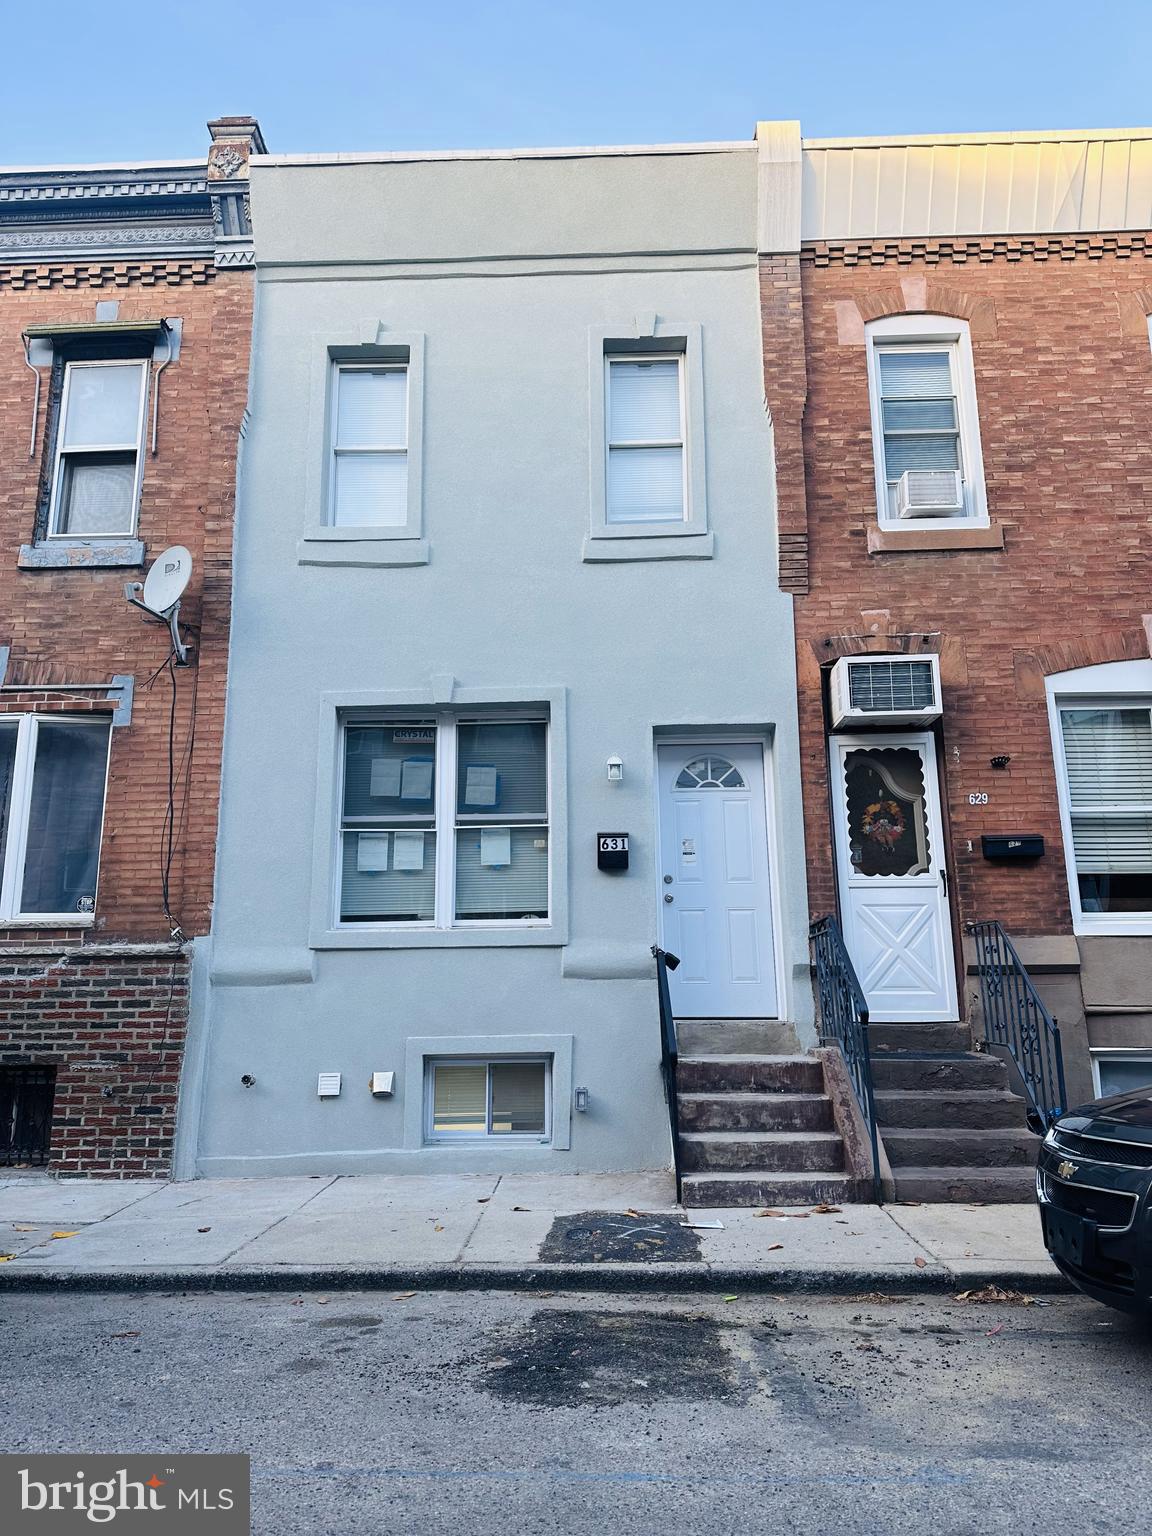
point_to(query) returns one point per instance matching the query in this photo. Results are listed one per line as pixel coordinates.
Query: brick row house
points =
(125, 316)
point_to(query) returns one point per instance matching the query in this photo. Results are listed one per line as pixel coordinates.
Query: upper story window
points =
(369, 475)
(444, 821)
(925, 430)
(52, 778)
(646, 460)
(99, 458)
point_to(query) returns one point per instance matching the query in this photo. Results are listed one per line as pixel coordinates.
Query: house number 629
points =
(979, 797)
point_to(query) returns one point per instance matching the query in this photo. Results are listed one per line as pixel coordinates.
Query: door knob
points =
(667, 895)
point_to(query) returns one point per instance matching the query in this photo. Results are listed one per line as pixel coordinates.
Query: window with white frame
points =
(444, 821)
(369, 473)
(53, 771)
(99, 458)
(474, 1099)
(1107, 785)
(925, 430)
(646, 478)
(1121, 1071)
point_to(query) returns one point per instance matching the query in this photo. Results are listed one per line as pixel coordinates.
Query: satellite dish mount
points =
(160, 592)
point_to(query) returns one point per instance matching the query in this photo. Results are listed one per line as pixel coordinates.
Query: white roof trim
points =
(392, 157)
(1046, 136)
(106, 167)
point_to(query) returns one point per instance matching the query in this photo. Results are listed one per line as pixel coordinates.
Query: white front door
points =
(892, 875)
(714, 895)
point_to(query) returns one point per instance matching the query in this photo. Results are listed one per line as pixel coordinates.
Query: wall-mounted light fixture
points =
(615, 770)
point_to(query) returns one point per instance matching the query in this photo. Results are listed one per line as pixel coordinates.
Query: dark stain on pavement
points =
(621, 1237)
(581, 1359)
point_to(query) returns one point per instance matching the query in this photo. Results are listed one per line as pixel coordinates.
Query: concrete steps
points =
(991, 1186)
(952, 1147)
(977, 1108)
(750, 1074)
(938, 1072)
(764, 1151)
(919, 1037)
(755, 1112)
(773, 1189)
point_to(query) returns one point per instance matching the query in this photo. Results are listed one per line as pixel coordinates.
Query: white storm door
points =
(891, 874)
(714, 894)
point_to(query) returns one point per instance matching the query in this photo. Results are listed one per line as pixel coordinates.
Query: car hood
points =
(1130, 1113)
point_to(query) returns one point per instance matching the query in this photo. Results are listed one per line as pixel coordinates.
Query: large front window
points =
(1108, 774)
(52, 777)
(444, 821)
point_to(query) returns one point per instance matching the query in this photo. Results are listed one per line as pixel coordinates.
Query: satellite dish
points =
(164, 585)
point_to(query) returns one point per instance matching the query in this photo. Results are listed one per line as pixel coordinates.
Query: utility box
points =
(1012, 845)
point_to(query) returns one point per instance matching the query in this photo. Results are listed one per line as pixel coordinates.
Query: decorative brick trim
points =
(786, 394)
(1032, 667)
(116, 274)
(984, 248)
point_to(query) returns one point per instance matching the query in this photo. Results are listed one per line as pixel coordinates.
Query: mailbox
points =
(611, 850)
(1012, 845)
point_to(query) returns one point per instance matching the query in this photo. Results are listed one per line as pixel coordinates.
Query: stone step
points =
(750, 1074)
(978, 1108)
(943, 1186)
(919, 1037)
(755, 1112)
(960, 1147)
(728, 1037)
(928, 1071)
(762, 1151)
(720, 1190)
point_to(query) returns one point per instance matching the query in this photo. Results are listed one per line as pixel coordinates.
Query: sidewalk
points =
(517, 1231)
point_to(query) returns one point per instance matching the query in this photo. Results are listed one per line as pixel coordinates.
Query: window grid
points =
(67, 456)
(392, 451)
(917, 441)
(646, 444)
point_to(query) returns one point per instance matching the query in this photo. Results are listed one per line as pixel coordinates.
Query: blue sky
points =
(88, 83)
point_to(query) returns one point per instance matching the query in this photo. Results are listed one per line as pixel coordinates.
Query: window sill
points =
(87, 554)
(921, 539)
(1112, 927)
(690, 546)
(50, 920)
(438, 938)
(360, 547)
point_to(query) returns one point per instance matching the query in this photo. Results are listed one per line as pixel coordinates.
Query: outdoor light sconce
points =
(615, 770)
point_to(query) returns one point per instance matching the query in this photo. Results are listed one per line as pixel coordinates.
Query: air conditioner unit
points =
(886, 690)
(930, 493)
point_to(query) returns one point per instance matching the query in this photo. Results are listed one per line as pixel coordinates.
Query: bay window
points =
(52, 781)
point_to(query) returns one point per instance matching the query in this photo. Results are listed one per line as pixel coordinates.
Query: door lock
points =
(667, 879)
(668, 896)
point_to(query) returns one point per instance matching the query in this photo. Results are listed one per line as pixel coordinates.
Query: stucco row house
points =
(734, 548)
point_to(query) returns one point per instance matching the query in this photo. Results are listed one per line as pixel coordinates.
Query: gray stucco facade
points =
(499, 282)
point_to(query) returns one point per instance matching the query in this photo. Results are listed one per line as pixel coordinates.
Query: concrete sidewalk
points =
(522, 1230)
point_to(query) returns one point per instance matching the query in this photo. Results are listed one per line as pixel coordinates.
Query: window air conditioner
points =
(885, 690)
(929, 493)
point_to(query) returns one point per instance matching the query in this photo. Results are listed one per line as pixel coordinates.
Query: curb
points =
(934, 1280)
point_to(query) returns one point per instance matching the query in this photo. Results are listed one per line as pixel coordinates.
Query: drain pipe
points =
(24, 337)
(156, 383)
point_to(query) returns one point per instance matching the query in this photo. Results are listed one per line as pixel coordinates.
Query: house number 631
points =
(978, 797)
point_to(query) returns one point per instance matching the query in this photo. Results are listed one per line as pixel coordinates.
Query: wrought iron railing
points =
(669, 1052)
(843, 1012)
(1016, 1019)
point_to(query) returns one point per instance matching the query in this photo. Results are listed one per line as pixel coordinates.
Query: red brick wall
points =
(1064, 389)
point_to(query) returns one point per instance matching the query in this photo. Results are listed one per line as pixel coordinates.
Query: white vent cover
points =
(328, 1085)
(886, 690)
(929, 493)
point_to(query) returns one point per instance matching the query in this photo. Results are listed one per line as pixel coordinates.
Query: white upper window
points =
(369, 477)
(52, 778)
(96, 474)
(646, 460)
(925, 431)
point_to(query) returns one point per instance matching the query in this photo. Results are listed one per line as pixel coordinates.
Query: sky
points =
(119, 82)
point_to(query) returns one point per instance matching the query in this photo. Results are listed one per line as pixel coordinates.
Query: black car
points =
(1094, 1185)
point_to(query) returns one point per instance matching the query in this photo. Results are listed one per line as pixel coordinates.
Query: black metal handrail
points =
(1016, 1019)
(844, 1022)
(669, 1052)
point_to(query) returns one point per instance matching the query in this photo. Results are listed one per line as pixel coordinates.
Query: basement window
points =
(476, 1100)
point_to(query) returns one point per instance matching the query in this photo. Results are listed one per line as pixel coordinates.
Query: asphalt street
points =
(379, 1413)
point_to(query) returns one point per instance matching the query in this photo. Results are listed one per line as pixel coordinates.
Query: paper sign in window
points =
(372, 853)
(495, 846)
(384, 782)
(481, 784)
(408, 850)
(416, 778)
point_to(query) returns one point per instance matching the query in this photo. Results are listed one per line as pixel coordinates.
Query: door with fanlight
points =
(892, 873)
(714, 892)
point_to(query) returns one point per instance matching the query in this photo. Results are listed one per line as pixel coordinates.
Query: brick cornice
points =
(116, 274)
(959, 249)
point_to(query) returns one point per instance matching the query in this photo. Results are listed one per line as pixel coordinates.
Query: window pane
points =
(644, 402)
(518, 1098)
(919, 415)
(371, 490)
(915, 375)
(887, 828)
(503, 769)
(64, 818)
(372, 409)
(103, 406)
(501, 872)
(460, 1099)
(1109, 756)
(646, 485)
(1122, 1074)
(389, 771)
(388, 876)
(935, 451)
(97, 493)
(7, 765)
